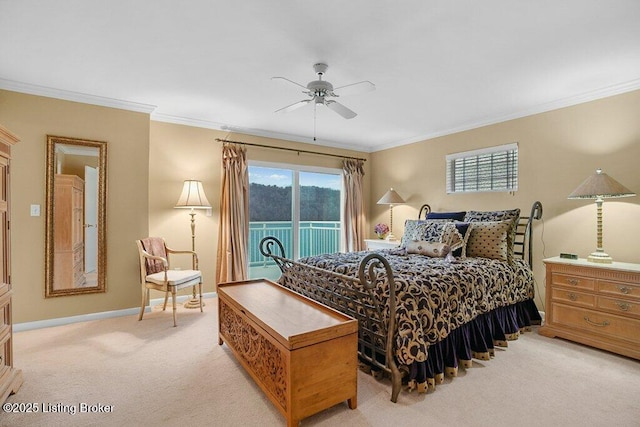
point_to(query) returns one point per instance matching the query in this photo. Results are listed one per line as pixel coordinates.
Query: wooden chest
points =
(301, 353)
(594, 304)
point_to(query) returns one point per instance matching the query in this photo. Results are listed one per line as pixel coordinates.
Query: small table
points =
(374, 244)
(303, 355)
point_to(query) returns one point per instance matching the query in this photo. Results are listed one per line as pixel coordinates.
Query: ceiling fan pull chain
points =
(314, 120)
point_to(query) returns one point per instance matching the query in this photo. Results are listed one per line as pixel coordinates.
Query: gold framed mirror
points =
(76, 197)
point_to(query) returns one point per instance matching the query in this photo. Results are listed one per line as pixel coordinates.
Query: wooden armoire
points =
(68, 220)
(10, 378)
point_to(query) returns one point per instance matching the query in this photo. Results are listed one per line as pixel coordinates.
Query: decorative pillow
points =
(456, 216)
(511, 214)
(428, 230)
(489, 240)
(456, 235)
(410, 230)
(431, 249)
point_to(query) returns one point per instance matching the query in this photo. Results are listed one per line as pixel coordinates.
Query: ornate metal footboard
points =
(352, 296)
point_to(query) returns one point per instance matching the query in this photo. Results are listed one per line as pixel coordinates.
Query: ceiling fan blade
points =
(340, 109)
(290, 81)
(354, 88)
(293, 106)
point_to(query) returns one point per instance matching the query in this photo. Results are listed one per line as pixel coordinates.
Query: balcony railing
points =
(316, 237)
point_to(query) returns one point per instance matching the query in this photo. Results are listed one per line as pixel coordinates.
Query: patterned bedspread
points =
(435, 296)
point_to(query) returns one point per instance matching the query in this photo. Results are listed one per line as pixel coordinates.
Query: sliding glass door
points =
(300, 206)
(319, 222)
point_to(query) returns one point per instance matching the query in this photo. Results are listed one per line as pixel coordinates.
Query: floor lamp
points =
(390, 198)
(193, 198)
(600, 186)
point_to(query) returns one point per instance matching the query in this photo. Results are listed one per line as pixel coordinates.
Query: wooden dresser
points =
(68, 217)
(594, 304)
(10, 378)
(301, 353)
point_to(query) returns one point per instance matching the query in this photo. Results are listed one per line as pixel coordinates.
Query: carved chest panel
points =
(301, 353)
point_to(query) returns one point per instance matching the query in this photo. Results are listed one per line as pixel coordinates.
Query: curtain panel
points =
(354, 218)
(233, 235)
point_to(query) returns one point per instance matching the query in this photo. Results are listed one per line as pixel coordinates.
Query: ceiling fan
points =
(320, 91)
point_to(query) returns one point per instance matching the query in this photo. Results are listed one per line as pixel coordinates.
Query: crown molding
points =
(167, 118)
(541, 108)
(66, 95)
(149, 109)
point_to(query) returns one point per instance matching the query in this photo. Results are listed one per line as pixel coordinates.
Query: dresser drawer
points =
(573, 297)
(577, 282)
(609, 325)
(620, 289)
(620, 306)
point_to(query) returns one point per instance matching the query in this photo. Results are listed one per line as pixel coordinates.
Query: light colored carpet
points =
(154, 374)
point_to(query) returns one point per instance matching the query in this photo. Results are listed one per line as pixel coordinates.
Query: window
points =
(301, 206)
(487, 169)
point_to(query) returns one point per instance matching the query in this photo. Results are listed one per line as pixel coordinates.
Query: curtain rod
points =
(290, 149)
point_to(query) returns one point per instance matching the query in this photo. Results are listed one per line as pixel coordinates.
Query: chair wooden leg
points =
(173, 302)
(166, 297)
(143, 304)
(200, 289)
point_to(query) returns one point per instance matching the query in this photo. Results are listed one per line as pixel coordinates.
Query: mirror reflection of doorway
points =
(90, 225)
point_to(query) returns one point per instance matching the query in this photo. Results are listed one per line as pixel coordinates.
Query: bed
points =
(459, 285)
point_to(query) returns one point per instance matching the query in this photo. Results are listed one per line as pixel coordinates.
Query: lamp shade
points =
(390, 198)
(193, 196)
(600, 185)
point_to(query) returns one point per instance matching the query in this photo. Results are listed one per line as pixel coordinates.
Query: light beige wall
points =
(149, 160)
(557, 151)
(127, 134)
(181, 152)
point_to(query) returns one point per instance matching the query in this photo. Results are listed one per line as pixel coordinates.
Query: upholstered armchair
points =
(156, 273)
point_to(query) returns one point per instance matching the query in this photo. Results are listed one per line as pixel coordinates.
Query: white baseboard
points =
(38, 324)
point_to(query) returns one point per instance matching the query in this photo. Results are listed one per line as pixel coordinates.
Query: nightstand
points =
(375, 244)
(594, 304)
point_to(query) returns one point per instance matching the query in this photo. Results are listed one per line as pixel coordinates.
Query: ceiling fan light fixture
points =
(320, 92)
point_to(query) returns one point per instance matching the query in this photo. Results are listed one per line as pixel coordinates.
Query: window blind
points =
(487, 169)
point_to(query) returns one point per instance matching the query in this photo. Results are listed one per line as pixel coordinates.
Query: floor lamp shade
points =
(600, 186)
(193, 196)
(391, 198)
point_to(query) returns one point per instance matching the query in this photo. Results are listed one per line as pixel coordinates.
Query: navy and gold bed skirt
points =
(474, 340)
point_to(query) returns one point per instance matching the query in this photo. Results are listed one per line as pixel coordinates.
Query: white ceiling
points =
(438, 66)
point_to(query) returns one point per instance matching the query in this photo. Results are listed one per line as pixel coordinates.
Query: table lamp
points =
(390, 198)
(600, 186)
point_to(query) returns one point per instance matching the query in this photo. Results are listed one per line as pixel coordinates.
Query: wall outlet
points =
(35, 210)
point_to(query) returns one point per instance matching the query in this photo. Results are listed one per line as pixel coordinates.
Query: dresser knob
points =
(591, 322)
(623, 306)
(572, 296)
(624, 289)
(573, 282)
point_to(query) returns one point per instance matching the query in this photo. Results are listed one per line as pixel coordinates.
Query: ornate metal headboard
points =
(426, 209)
(522, 245)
